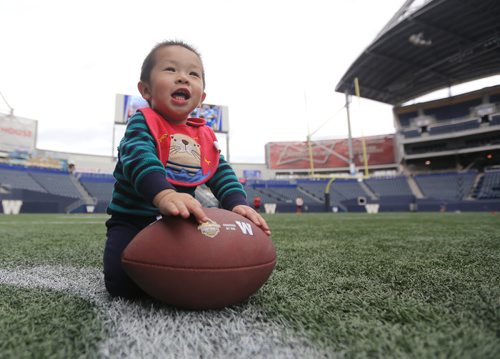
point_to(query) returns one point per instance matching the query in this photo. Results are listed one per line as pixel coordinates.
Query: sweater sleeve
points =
(141, 165)
(226, 187)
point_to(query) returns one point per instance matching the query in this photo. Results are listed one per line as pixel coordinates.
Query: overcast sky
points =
(275, 64)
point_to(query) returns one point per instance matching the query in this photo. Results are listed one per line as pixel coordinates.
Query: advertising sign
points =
(17, 133)
(126, 106)
(216, 116)
(330, 153)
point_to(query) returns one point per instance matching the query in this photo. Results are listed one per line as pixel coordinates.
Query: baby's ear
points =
(144, 90)
(203, 95)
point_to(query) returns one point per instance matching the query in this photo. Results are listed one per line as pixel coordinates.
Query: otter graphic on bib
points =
(183, 162)
(189, 152)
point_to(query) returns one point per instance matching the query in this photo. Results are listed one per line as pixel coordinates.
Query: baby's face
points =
(175, 88)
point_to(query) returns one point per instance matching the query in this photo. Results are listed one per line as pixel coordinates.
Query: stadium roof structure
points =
(428, 45)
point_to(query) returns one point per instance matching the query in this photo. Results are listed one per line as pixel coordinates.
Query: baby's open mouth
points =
(181, 95)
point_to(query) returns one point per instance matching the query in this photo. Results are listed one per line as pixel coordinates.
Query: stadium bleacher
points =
(412, 133)
(315, 189)
(17, 178)
(43, 189)
(490, 185)
(56, 183)
(441, 129)
(348, 188)
(495, 119)
(391, 192)
(468, 125)
(389, 186)
(465, 125)
(446, 186)
(454, 111)
(260, 192)
(406, 118)
(98, 185)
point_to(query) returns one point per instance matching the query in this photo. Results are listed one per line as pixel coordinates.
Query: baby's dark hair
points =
(149, 61)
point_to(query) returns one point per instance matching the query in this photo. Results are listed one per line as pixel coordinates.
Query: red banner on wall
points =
(330, 153)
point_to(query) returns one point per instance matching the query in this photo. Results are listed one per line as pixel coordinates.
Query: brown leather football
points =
(208, 266)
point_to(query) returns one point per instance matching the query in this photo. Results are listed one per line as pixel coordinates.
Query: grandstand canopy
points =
(426, 46)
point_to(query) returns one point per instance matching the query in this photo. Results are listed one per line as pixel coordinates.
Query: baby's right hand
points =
(172, 203)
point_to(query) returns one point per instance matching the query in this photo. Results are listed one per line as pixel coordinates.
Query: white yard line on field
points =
(149, 330)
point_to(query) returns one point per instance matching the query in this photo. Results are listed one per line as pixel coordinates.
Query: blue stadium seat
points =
(412, 133)
(99, 186)
(265, 197)
(405, 118)
(389, 186)
(441, 129)
(315, 189)
(56, 183)
(446, 186)
(454, 111)
(490, 186)
(468, 124)
(347, 189)
(19, 178)
(495, 119)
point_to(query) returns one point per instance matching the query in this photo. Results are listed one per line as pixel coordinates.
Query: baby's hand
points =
(172, 203)
(254, 216)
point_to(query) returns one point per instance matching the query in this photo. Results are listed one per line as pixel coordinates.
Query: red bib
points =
(190, 152)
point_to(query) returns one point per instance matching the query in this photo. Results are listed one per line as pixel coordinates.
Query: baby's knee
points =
(122, 287)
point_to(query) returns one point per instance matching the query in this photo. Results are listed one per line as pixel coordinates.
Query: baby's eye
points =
(170, 69)
(195, 74)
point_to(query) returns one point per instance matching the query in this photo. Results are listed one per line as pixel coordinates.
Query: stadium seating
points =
(389, 186)
(347, 188)
(495, 98)
(495, 119)
(405, 119)
(341, 190)
(45, 190)
(18, 178)
(284, 193)
(260, 192)
(56, 183)
(490, 185)
(315, 189)
(441, 129)
(468, 124)
(446, 186)
(412, 133)
(99, 186)
(293, 192)
(455, 111)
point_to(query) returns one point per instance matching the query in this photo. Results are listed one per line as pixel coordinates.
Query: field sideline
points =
(419, 285)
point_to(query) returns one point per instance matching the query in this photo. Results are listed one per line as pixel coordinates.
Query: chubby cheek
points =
(161, 98)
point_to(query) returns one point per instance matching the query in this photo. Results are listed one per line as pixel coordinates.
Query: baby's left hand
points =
(254, 216)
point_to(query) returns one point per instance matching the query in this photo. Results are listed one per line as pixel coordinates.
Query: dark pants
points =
(120, 231)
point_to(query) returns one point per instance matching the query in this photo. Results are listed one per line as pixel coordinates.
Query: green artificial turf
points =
(37, 323)
(75, 240)
(387, 285)
(419, 285)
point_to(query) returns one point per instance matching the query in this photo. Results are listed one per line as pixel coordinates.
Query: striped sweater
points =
(140, 175)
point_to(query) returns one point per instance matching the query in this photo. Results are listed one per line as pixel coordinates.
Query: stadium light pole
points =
(352, 169)
(11, 113)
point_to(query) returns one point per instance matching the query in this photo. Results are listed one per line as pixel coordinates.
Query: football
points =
(200, 266)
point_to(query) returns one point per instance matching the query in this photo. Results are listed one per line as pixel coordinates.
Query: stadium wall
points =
(36, 202)
(83, 162)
